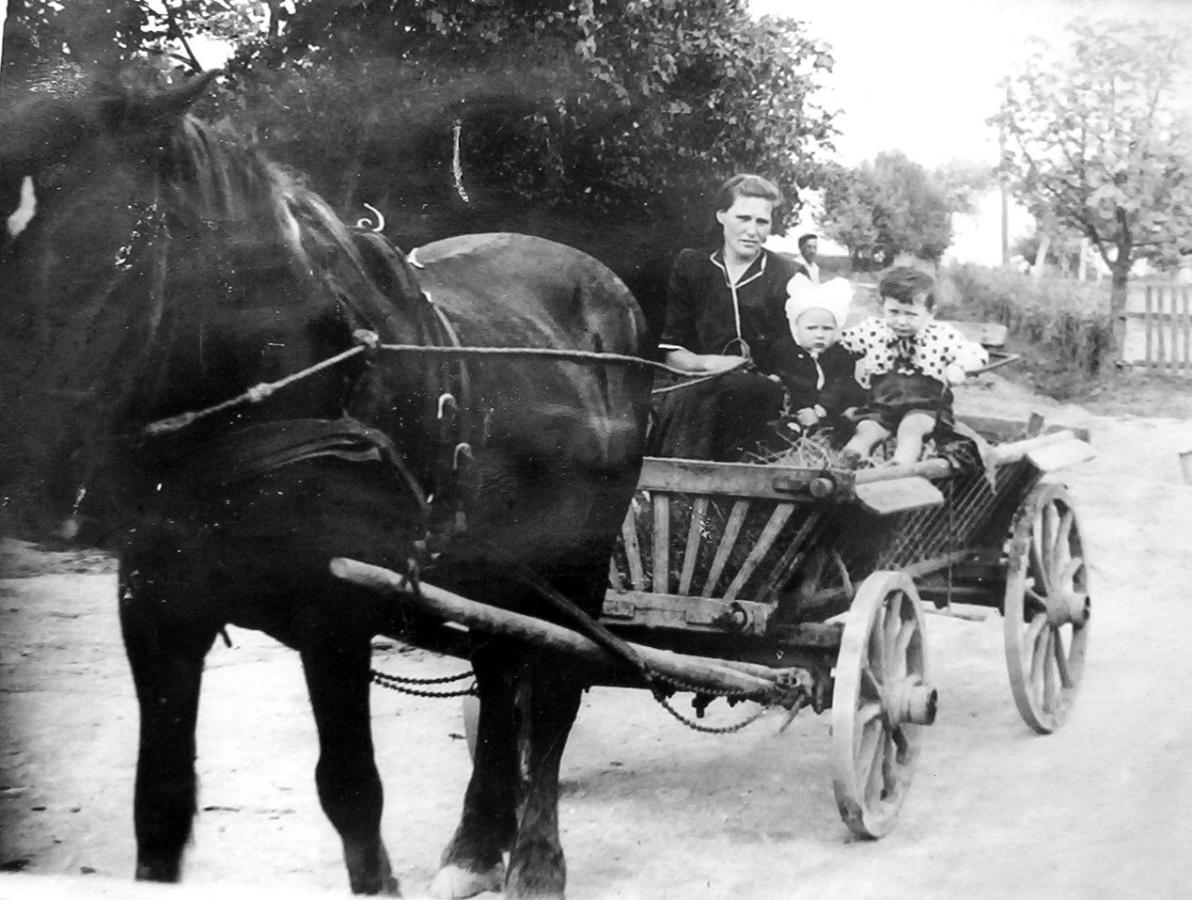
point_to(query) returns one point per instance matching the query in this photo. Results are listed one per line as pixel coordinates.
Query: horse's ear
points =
(168, 104)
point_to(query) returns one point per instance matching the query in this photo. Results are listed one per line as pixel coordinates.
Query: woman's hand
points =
(702, 363)
(715, 362)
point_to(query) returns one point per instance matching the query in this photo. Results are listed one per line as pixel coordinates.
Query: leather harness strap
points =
(256, 450)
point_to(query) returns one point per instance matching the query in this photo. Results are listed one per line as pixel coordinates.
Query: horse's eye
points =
(20, 205)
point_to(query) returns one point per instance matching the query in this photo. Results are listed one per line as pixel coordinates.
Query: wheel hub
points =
(909, 700)
(1069, 607)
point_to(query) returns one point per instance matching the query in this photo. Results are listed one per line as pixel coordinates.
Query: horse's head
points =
(77, 187)
(151, 265)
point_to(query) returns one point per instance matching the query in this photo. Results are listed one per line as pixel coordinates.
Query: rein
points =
(368, 341)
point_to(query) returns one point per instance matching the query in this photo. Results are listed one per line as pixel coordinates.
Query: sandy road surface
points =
(650, 809)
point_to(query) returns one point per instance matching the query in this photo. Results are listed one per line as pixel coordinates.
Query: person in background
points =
(910, 361)
(808, 249)
(725, 317)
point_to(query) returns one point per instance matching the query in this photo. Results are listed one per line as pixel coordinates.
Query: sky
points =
(921, 75)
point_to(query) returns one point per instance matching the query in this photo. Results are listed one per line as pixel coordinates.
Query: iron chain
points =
(398, 683)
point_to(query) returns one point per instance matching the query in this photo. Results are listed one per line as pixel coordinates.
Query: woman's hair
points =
(746, 185)
(904, 284)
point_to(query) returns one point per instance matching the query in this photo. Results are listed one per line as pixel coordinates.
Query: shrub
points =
(1065, 324)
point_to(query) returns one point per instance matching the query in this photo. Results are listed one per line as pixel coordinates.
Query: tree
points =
(1098, 144)
(47, 40)
(604, 124)
(890, 206)
(454, 114)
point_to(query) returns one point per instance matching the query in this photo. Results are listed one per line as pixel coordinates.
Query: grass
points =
(1062, 330)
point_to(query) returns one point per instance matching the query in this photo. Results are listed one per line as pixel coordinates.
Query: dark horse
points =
(160, 268)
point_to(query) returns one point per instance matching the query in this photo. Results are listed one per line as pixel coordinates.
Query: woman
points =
(722, 306)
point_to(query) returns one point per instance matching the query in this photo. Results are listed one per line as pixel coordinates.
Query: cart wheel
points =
(1046, 608)
(471, 711)
(880, 698)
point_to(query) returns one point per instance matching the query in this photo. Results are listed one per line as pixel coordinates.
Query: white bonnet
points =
(802, 294)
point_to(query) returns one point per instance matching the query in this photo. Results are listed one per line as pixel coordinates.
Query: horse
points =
(195, 369)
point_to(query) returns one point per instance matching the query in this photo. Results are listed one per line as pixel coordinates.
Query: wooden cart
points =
(805, 587)
(826, 572)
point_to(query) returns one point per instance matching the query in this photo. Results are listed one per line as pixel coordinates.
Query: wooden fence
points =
(1158, 333)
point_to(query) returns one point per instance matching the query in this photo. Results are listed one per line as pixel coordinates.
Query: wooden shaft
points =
(1013, 452)
(712, 675)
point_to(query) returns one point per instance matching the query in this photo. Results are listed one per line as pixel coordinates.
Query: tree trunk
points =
(1117, 306)
(1040, 257)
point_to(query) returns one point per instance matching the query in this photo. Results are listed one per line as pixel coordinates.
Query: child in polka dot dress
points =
(910, 361)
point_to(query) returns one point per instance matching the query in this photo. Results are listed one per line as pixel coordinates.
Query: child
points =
(910, 360)
(820, 376)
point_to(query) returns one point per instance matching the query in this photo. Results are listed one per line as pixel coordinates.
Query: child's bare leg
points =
(864, 439)
(913, 428)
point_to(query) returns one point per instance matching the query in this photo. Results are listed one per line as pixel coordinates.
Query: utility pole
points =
(1001, 178)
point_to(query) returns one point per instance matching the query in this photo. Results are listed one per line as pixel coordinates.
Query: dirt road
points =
(651, 809)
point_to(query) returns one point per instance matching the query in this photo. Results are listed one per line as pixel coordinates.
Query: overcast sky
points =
(921, 75)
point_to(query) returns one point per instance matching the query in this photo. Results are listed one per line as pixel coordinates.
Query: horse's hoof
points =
(455, 882)
(385, 886)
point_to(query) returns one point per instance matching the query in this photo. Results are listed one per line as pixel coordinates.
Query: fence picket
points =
(1159, 328)
(1187, 329)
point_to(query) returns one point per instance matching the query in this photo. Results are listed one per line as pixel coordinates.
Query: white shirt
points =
(932, 350)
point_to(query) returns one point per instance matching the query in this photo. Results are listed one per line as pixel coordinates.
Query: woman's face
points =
(746, 226)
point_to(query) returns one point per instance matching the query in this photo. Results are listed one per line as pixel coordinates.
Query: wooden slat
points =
(761, 547)
(1149, 355)
(1160, 331)
(1160, 321)
(691, 476)
(1160, 317)
(633, 552)
(660, 541)
(1187, 328)
(614, 575)
(642, 609)
(699, 517)
(727, 540)
(987, 334)
(779, 573)
(1057, 456)
(899, 495)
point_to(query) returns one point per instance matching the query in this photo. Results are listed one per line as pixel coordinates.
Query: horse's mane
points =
(213, 175)
(209, 231)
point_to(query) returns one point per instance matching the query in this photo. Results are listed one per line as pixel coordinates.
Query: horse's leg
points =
(547, 703)
(166, 639)
(548, 700)
(336, 658)
(472, 862)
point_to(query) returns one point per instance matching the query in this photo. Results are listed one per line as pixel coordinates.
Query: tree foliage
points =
(891, 206)
(629, 110)
(45, 38)
(1097, 142)
(604, 124)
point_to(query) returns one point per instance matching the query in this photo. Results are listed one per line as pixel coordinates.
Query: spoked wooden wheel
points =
(880, 698)
(1046, 608)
